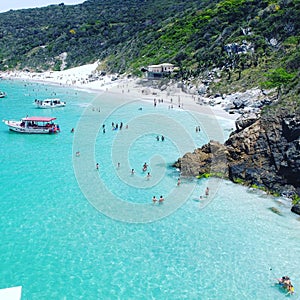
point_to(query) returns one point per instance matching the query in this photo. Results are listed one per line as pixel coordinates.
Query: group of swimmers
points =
(160, 200)
(206, 193)
(162, 138)
(114, 126)
(144, 168)
(286, 283)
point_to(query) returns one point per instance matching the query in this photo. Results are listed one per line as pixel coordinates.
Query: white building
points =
(157, 71)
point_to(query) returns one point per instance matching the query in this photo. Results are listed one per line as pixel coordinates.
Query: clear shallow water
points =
(58, 246)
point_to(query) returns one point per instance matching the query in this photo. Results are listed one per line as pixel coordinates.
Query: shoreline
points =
(81, 78)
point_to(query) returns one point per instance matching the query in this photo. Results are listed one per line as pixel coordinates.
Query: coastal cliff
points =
(262, 152)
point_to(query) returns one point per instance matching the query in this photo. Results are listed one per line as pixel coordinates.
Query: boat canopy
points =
(38, 119)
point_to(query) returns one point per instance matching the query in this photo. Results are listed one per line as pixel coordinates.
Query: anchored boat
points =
(33, 125)
(49, 103)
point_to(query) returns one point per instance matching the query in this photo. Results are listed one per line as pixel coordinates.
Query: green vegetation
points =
(213, 174)
(263, 188)
(204, 175)
(239, 181)
(130, 34)
(296, 199)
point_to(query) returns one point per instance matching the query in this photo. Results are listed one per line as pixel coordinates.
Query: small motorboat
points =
(33, 125)
(2, 94)
(49, 103)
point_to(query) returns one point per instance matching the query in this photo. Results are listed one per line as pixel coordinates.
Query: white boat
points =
(13, 293)
(2, 94)
(49, 103)
(33, 125)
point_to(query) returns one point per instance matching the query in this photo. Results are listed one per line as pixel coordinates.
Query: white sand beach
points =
(87, 77)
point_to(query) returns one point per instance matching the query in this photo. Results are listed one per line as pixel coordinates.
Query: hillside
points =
(36, 38)
(235, 35)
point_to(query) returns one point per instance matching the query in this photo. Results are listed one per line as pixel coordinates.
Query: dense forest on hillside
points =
(232, 35)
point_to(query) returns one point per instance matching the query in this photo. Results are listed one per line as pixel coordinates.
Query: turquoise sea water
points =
(69, 231)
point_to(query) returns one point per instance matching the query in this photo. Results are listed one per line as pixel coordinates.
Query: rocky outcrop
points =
(296, 209)
(263, 151)
(211, 158)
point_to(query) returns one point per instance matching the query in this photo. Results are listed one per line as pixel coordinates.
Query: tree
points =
(278, 78)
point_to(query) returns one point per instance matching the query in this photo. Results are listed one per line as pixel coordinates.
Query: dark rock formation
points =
(245, 121)
(264, 152)
(296, 209)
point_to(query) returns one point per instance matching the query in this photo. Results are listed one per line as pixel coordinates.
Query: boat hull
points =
(50, 106)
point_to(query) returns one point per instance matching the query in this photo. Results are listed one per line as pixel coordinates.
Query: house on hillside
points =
(158, 71)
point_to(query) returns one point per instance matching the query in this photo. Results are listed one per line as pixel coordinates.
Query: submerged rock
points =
(275, 210)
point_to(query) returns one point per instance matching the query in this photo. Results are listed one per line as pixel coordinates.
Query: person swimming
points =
(145, 166)
(290, 289)
(207, 192)
(161, 200)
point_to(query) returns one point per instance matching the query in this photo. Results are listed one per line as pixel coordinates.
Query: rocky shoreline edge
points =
(263, 152)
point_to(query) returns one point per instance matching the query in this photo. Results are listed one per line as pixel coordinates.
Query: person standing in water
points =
(207, 192)
(145, 166)
(154, 200)
(161, 200)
